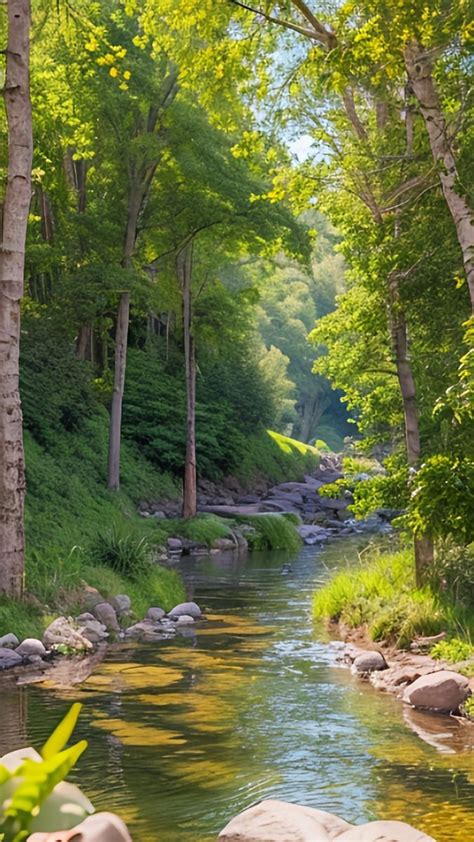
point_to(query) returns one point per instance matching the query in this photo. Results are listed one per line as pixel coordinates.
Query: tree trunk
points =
(418, 62)
(12, 260)
(184, 266)
(121, 338)
(83, 342)
(121, 343)
(423, 544)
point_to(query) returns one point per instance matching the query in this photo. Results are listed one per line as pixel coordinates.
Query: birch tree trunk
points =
(12, 259)
(418, 62)
(184, 266)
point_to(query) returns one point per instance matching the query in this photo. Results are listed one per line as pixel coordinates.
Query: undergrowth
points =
(272, 532)
(381, 594)
(276, 458)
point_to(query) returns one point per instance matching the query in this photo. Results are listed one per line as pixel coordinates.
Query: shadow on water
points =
(184, 734)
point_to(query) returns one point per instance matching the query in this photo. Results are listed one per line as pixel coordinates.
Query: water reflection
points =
(185, 733)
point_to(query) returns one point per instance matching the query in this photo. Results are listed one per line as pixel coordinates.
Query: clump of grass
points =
(272, 532)
(275, 457)
(381, 594)
(454, 650)
(204, 529)
(158, 587)
(21, 618)
(468, 707)
(125, 552)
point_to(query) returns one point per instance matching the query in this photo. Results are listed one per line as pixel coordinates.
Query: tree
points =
(15, 210)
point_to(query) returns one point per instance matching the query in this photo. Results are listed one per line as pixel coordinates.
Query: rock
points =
(31, 646)
(93, 630)
(239, 539)
(9, 641)
(121, 603)
(288, 496)
(312, 534)
(333, 503)
(101, 827)
(190, 608)
(441, 691)
(85, 617)
(159, 515)
(184, 619)
(223, 544)
(9, 658)
(106, 615)
(147, 630)
(368, 662)
(91, 597)
(155, 614)
(175, 545)
(278, 821)
(62, 632)
(313, 482)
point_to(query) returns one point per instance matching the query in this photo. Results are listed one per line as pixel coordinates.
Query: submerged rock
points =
(441, 691)
(278, 821)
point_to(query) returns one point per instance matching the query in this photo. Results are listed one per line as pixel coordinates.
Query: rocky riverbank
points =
(321, 518)
(413, 676)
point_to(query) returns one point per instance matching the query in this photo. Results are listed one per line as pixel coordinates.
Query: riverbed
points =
(185, 733)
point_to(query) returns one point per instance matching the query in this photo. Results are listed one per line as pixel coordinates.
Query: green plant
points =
(453, 650)
(30, 786)
(125, 552)
(468, 707)
(272, 532)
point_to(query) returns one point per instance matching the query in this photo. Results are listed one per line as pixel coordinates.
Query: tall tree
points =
(15, 210)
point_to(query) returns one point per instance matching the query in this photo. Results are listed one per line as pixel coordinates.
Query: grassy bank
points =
(380, 593)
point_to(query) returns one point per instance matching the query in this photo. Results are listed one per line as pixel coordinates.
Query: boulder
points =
(190, 608)
(155, 614)
(62, 632)
(9, 658)
(147, 630)
(106, 615)
(175, 545)
(93, 630)
(85, 617)
(333, 503)
(184, 619)
(9, 641)
(368, 662)
(312, 534)
(278, 821)
(121, 603)
(91, 597)
(441, 691)
(31, 646)
(101, 827)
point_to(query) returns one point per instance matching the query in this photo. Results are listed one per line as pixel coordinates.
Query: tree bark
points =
(184, 267)
(398, 330)
(418, 62)
(12, 260)
(121, 338)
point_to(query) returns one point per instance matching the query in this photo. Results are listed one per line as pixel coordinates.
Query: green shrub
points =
(453, 650)
(125, 552)
(453, 572)
(276, 458)
(468, 707)
(272, 532)
(204, 529)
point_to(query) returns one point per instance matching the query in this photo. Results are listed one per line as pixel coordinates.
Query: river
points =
(185, 733)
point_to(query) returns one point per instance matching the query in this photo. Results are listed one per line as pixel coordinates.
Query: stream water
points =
(185, 733)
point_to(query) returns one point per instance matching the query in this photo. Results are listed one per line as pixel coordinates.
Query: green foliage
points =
(21, 618)
(453, 572)
(468, 707)
(453, 650)
(272, 532)
(275, 457)
(34, 780)
(442, 498)
(381, 594)
(125, 552)
(204, 529)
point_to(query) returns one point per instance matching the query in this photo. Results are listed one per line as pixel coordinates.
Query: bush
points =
(453, 650)
(126, 553)
(453, 572)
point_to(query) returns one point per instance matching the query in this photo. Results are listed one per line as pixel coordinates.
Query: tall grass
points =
(381, 593)
(272, 532)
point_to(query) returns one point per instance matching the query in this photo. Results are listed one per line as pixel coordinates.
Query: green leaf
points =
(62, 733)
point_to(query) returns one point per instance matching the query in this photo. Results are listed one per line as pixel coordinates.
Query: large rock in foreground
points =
(441, 691)
(102, 827)
(278, 821)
